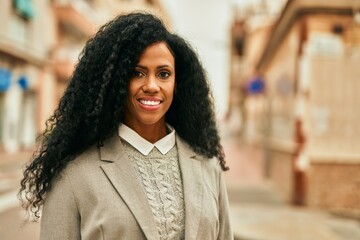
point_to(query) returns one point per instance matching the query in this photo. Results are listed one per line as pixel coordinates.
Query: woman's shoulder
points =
(81, 173)
(209, 163)
(211, 166)
(84, 161)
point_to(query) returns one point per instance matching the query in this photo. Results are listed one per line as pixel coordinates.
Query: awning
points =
(5, 79)
(25, 8)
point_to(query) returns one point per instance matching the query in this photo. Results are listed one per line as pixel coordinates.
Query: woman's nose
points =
(151, 84)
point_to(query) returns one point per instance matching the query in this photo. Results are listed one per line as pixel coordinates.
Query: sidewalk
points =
(11, 165)
(11, 214)
(258, 212)
(14, 160)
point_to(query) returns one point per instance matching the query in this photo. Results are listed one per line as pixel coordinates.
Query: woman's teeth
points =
(149, 102)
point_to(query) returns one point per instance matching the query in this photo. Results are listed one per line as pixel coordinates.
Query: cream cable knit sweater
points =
(161, 178)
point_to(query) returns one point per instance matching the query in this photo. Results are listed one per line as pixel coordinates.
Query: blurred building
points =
(301, 74)
(40, 41)
(205, 25)
(25, 41)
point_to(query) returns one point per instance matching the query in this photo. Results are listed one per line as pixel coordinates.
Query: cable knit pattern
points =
(161, 178)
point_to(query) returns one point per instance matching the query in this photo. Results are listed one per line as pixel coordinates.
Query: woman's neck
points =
(152, 133)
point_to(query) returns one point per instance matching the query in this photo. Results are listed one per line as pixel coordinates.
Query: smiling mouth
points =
(150, 102)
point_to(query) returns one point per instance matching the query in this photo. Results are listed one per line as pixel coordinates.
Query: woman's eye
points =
(164, 74)
(138, 74)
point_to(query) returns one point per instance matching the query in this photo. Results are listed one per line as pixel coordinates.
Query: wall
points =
(333, 146)
(323, 70)
(24, 48)
(281, 146)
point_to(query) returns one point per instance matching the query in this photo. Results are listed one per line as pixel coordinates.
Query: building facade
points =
(40, 41)
(25, 40)
(310, 124)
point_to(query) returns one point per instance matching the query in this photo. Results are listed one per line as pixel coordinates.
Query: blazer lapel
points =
(193, 188)
(122, 175)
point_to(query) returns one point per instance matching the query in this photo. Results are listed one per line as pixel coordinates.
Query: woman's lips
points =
(149, 104)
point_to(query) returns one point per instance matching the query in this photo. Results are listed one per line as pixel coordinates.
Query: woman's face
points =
(151, 88)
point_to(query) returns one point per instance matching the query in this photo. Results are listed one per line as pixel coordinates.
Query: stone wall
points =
(334, 186)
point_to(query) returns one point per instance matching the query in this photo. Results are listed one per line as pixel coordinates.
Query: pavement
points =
(11, 166)
(12, 217)
(257, 210)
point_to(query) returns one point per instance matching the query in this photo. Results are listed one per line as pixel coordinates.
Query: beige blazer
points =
(98, 197)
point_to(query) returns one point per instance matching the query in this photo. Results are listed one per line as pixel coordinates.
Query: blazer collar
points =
(191, 172)
(122, 175)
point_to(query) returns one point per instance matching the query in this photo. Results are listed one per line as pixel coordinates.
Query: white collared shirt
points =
(164, 145)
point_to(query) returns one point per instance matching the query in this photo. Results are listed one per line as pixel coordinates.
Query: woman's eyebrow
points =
(158, 67)
(142, 67)
(164, 66)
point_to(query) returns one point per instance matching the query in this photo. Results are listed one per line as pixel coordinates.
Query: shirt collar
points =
(164, 145)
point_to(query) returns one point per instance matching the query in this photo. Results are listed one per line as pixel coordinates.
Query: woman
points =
(132, 152)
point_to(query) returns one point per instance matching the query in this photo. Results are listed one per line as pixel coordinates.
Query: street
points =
(13, 226)
(12, 217)
(283, 77)
(257, 210)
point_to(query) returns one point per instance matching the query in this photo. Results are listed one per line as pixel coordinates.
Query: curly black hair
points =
(93, 104)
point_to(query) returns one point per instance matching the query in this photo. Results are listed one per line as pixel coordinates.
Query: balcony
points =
(293, 11)
(64, 69)
(74, 17)
(65, 57)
